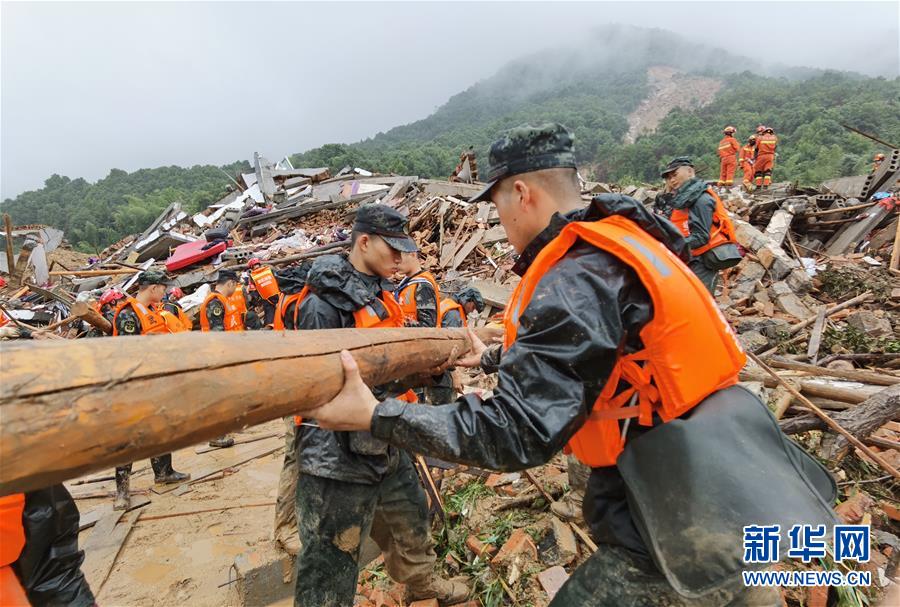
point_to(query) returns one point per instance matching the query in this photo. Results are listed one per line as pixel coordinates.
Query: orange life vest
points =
(767, 144)
(284, 301)
(265, 282)
(233, 320)
(368, 317)
(407, 297)
(151, 320)
(177, 322)
(728, 146)
(450, 304)
(689, 349)
(12, 540)
(721, 231)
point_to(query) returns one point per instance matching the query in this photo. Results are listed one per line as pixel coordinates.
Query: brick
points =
(518, 543)
(480, 548)
(566, 546)
(467, 604)
(552, 580)
(425, 603)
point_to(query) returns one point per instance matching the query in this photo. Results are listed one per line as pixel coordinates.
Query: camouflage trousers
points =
(334, 517)
(610, 578)
(285, 514)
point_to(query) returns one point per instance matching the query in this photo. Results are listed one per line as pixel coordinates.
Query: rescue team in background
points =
(756, 158)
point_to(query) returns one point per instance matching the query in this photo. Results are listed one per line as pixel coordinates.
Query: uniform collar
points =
(557, 223)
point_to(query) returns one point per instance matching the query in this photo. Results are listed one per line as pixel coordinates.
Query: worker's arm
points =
(549, 378)
(215, 315)
(426, 306)
(127, 322)
(452, 320)
(700, 221)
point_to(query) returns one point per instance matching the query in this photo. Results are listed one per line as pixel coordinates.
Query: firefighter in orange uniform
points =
(728, 150)
(614, 350)
(766, 148)
(139, 316)
(746, 159)
(350, 480)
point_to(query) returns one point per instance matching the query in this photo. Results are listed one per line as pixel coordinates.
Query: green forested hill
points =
(591, 89)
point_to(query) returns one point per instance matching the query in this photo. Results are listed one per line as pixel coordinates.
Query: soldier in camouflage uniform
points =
(586, 310)
(351, 484)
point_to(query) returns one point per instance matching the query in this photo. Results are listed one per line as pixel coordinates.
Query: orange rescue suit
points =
(728, 148)
(746, 159)
(367, 317)
(721, 231)
(765, 158)
(450, 304)
(265, 282)
(407, 297)
(689, 349)
(12, 541)
(233, 320)
(151, 320)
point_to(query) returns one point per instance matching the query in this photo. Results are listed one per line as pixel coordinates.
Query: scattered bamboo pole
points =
(866, 377)
(825, 418)
(89, 273)
(832, 310)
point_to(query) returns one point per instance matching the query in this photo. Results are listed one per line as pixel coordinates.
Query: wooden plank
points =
(232, 463)
(90, 518)
(468, 247)
(103, 546)
(71, 408)
(815, 339)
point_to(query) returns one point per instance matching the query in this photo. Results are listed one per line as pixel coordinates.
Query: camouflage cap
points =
(152, 277)
(675, 163)
(388, 223)
(471, 294)
(527, 148)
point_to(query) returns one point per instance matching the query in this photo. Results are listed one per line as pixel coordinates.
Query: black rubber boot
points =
(164, 473)
(123, 489)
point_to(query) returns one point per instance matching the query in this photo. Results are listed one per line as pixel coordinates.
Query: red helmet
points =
(729, 129)
(760, 129)
(176, 293)
(110, 296)
(253, 262)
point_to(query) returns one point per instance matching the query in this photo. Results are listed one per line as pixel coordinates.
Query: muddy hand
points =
(354, 405)
(472, 358)
(451, 361)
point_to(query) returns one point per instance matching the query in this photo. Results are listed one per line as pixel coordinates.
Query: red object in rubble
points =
(192, 252)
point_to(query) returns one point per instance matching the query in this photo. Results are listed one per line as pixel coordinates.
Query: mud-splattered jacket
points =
(337, 290)
(583, 310)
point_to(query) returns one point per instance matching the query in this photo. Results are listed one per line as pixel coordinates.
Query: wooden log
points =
(72, 408)
(89, 273)
(843, 395)
(832, 310)
(91, 316)
(865, 377)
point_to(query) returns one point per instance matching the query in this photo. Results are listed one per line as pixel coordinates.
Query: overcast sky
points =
(87, 87)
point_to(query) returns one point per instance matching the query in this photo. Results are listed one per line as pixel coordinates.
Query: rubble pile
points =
(816, 298)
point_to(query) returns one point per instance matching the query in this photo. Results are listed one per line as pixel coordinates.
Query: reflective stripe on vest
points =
(266, 284)
(728, 146)
(451, 304)
(767, 144)
(232, 319)
(151, 320)
(406, 296)
(383, 312)
(721, 231)
(689, 349)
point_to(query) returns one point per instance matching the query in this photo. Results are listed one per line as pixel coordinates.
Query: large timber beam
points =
(70, 408)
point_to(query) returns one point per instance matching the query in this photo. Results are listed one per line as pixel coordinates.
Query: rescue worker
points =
(291, 281)
(604, 289)
(453, 314)
(265, 285)
(728, 150)
(746, 159)
(766, 148)
(876, 161)
(221, 311)
(698, 213)
(418, 293)
(352, 485)
(107, 302)
(173, 313)
(138, 316)
(40, 562)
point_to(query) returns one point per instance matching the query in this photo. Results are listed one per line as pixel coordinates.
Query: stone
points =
(769, 327)
(261, 576)
(595, 187)
(745, 283)
(799, 281)
(519, 543)
(751, 341)
(788, 302)
(870, 324)
(551, 580)
(558, 547)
